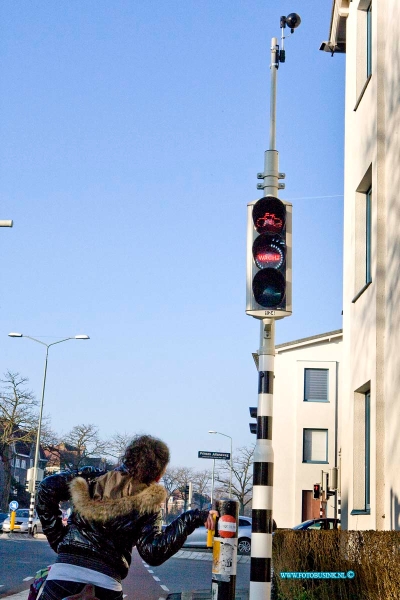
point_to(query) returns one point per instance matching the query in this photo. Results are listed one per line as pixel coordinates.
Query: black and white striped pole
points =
(269, 278)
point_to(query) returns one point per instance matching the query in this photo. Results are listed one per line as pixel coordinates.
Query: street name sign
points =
(215, 455)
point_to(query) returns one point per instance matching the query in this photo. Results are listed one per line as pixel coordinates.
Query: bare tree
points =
(242, 475)
(201, 480)
(170, 482)
(116, 446)
(17, 413)
(84, 442)
(183, 476)
(50, 442)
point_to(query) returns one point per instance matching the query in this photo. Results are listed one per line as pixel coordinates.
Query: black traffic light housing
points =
(253, 415)
(317, 491)
(269, 258)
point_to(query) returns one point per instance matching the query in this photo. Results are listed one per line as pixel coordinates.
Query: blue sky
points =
(132, 133)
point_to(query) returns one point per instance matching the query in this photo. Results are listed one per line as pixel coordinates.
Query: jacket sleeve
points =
(156, 546)
(53, 490)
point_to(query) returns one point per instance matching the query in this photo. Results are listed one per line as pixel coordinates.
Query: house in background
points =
(65, 456)
(306, 417)
(368, 32)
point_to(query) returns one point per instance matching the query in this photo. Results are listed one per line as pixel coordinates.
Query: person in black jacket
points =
(111, 514)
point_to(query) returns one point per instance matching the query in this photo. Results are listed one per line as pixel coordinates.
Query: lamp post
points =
(36, 459)
(230, 481)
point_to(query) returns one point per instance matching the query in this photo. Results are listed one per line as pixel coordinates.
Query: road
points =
(21, 557)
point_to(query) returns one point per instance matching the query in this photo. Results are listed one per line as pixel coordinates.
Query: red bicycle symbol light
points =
(269, 220)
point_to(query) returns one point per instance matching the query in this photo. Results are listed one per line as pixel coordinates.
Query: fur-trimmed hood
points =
(115, 495)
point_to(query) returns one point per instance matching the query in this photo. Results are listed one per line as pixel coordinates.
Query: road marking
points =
(27, 578)
(164, 587)
(150, 571)
(156, 578)
(124, 595)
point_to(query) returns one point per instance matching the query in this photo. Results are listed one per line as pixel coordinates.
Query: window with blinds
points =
(316, 385)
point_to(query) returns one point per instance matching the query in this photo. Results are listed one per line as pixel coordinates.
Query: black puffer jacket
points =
(111, 515)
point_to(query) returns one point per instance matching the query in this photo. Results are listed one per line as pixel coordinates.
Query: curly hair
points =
(146, 458)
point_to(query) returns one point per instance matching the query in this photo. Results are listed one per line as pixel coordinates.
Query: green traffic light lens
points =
(269, 288)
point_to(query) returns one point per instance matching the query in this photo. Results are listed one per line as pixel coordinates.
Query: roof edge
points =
(311, 339)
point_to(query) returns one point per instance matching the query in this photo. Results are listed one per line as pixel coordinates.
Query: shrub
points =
(373, 556)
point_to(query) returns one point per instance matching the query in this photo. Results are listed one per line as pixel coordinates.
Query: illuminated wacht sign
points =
(268, 251)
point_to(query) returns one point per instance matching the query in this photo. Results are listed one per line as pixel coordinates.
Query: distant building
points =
(369, 32)
(65, 456)
(22, 455)
(306, 436)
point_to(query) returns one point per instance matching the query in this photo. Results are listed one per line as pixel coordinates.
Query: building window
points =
(364, 49)
(23, 464)
(363, 235)
(368, 195)
(369, 40)
(315, 445)
(17, 463)
(316, 385)
(31, 462)
(362, 453)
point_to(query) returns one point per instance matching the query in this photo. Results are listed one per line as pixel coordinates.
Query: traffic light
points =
(317, 491)
(186, 490)
(253, 414)
(269, 258)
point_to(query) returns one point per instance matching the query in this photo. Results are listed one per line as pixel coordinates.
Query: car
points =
(21, 522)
(324, 524)
(198, 539)
(3, 516)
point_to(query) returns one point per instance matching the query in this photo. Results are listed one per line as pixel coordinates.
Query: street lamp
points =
(36, 460)
(228, 436)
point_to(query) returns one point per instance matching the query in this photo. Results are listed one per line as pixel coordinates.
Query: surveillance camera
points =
(325, 47)
(293, 21)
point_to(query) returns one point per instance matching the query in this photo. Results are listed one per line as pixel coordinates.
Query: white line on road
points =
(156, 578)
(27, 578)
(164, 587)
(150, 571)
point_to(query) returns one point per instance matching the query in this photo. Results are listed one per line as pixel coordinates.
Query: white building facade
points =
(306, 436)
(369, 34)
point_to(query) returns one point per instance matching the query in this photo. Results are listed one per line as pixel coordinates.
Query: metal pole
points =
(212, 482)
(230, 482)
(274, 72)
(263, 467)
(36, 460)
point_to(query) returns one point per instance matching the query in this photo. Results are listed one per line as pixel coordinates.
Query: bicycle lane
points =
(141, 582)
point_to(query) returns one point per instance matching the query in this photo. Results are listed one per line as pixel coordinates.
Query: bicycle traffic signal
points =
(269, 258)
